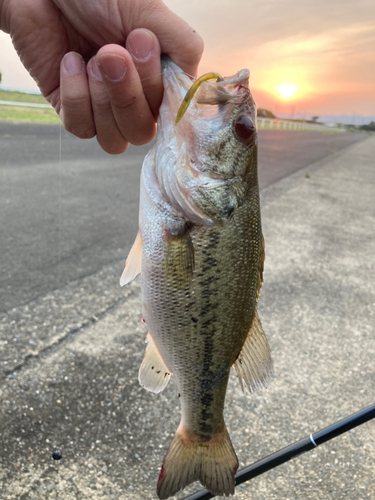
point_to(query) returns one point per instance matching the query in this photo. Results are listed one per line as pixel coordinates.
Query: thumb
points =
(177, 39)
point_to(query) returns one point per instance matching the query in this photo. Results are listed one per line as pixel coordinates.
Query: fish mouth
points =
(234, 89)
(225, 93)
(193, 89)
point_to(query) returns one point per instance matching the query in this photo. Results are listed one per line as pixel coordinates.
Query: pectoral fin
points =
(133, 262)
(254, 364)
(179, 259)
(153, 374)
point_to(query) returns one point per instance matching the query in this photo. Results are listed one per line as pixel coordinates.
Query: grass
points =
(20, 114)
(12, 95)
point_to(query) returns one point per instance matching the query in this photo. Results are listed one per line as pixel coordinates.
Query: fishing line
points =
(150, 77)
(60, 210)
(59, 233)
(193, 77)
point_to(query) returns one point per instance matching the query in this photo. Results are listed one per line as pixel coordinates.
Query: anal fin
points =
(153, 374)
(133, 262)
(254, 365)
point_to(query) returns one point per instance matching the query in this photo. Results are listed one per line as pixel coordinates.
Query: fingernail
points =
(140, 44)
(113, 67)
(94, 69)
(73, 63)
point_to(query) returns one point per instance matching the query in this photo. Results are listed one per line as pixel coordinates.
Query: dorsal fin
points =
(133, 262)
(254, 363)
(153, 374)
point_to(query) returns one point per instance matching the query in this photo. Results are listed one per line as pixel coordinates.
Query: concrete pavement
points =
(63, 221)
(70, 360)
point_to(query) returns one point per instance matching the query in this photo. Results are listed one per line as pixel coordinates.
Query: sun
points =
(287, 90)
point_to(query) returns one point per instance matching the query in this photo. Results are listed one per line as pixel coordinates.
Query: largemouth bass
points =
(200, 252)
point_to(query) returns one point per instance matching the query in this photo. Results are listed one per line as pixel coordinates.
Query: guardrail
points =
(276, 123)
(27, 104)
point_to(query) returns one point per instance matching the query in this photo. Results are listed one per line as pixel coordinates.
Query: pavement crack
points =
(69, 333)
(42, 326)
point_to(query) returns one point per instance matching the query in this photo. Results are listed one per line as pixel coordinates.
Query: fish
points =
(200, 252)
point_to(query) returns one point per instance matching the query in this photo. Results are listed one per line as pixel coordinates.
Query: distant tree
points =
(1, 76)
(264, 113)
(315, 118)
(369, 127)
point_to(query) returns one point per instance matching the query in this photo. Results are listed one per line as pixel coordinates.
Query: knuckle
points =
(101, 105)
(75, 102)
(153, 84)
(122, 103)
(138, 130)
(194, 49)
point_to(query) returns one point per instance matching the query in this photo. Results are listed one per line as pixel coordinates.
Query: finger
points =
(107, 132)
(177, 39)
(129, 105)
(144, 48)
(75, 111)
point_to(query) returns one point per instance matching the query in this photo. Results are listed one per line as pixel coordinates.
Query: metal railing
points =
(26, 104)
(279, 124)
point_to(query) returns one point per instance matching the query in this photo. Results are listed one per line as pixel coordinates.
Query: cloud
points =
(325, 48)
(333, 59)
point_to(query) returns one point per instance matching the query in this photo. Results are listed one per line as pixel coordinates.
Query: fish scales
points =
(200, 253)
(219, 298)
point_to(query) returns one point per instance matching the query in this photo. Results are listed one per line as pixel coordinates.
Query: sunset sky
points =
(322, 51)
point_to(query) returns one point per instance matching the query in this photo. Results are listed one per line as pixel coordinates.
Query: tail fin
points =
(214, 463)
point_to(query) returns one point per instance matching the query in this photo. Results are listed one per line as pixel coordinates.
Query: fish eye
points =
(244, 128)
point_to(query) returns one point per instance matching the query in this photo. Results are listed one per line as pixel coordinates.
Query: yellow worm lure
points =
(190, 93)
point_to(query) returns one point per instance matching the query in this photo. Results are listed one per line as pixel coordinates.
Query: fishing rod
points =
(294, 450)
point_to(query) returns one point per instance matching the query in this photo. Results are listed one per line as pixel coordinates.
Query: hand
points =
(75, 51)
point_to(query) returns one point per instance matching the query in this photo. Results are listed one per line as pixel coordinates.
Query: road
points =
(69, 358)
(62, 221)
